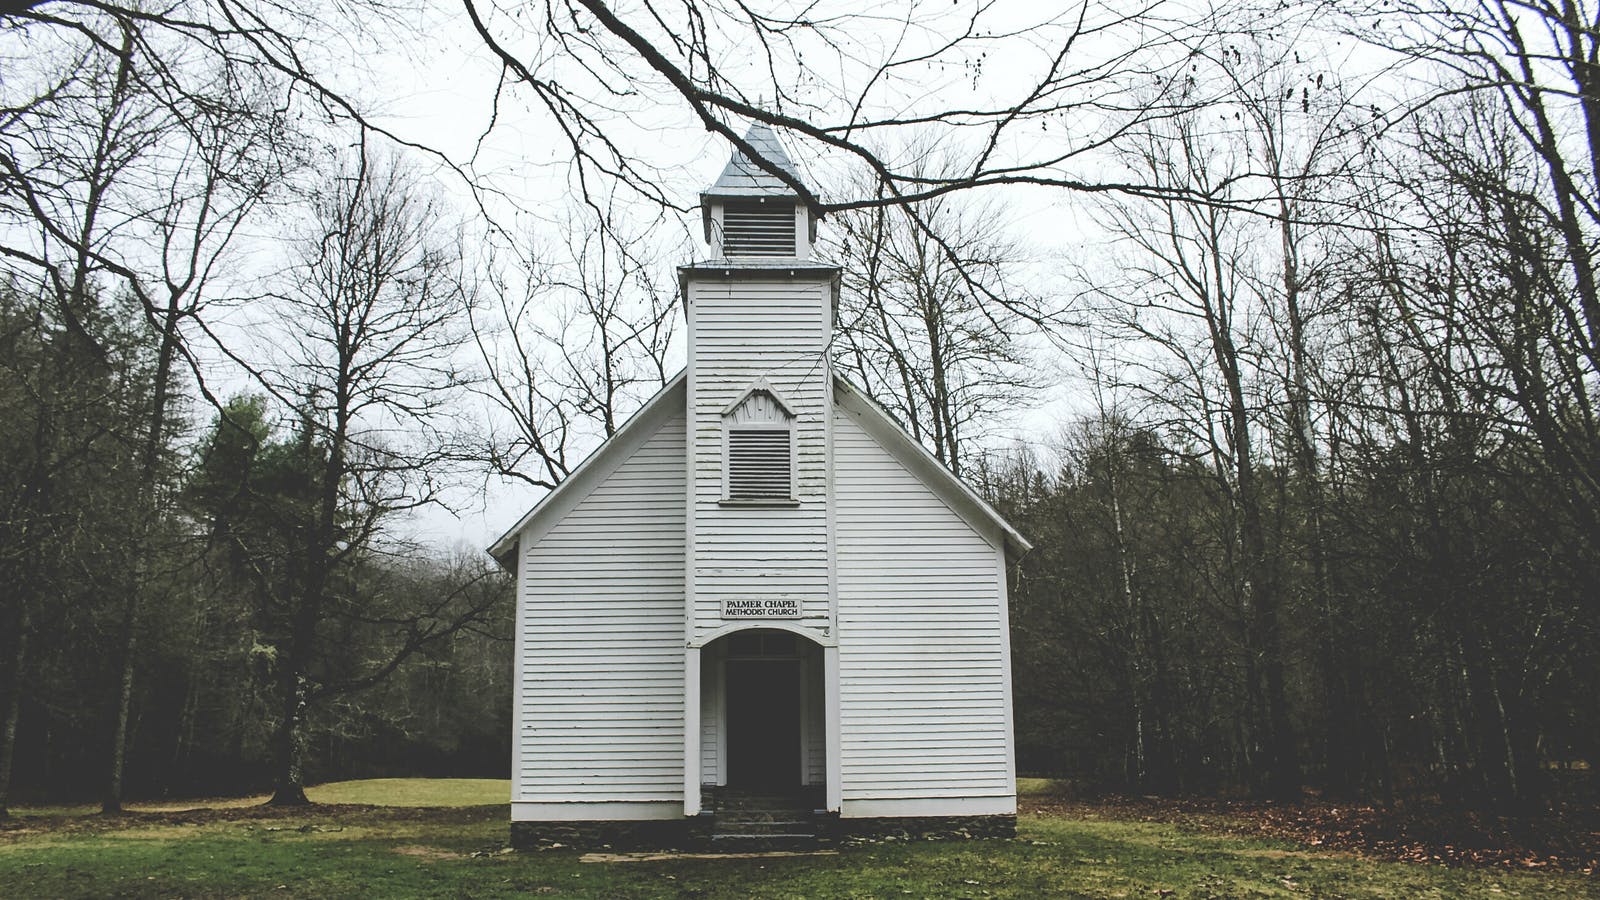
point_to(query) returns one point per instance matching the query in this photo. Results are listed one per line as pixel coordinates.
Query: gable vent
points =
(752, 228)
(759, 464)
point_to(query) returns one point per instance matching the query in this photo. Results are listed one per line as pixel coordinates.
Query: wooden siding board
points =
(600, 705)
(769, 332)
(923, 672)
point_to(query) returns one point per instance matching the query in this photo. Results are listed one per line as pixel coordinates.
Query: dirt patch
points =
(431, 854)
(1566, 839)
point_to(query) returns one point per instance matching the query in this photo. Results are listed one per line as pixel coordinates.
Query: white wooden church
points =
(761, 585)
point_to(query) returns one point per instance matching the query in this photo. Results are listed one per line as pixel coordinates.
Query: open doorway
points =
(762, 713)
(763, 716)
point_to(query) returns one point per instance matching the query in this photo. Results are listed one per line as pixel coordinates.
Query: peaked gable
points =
(601, 462)
(761, 403)
(671, 399)
(955, 493)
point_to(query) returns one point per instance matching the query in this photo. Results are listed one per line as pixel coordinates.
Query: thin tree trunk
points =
(12, 711)
(150, 455)
(1264, 639)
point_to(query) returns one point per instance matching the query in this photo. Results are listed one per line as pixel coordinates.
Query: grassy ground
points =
(373, 791)
(405, 849)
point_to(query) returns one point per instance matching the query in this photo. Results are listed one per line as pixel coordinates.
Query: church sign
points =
(767, 608)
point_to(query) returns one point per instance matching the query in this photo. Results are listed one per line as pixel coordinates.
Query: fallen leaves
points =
(1561, 840)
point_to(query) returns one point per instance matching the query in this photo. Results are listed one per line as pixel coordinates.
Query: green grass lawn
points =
(374, 791)
(405, 850)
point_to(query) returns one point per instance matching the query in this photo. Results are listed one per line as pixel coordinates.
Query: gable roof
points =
(600, 462)
(671, 399)
(951, 489)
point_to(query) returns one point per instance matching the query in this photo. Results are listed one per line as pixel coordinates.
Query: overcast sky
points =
(440, 94)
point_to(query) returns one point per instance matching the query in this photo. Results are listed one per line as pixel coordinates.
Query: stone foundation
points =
(918, 828)
(655, 834)
(695, 833)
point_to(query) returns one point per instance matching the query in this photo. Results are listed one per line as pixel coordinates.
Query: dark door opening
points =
(763, 719)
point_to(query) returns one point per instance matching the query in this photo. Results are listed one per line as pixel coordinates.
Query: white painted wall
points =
(600, 666)
(713, 709)
(923, 661)
(756, 328)
(813, 733)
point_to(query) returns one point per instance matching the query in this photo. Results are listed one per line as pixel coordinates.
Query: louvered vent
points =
(759, 465)
(750, 228)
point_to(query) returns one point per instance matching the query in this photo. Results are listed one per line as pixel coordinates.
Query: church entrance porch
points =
(762, 718)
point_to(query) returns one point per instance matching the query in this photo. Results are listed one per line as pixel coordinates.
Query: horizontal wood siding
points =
(921, 648)
(772, 329)
(601, 618)
(816, 748)
(711, 707)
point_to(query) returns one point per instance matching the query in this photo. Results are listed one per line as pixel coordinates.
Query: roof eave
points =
(1012, 538)
(505, 547)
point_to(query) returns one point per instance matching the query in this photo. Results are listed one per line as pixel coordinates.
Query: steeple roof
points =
(743, 177)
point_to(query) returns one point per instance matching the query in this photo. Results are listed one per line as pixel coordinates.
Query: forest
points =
(1276, 330)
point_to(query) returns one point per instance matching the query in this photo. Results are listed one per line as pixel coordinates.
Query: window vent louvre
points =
(759, 467)
(757, 229)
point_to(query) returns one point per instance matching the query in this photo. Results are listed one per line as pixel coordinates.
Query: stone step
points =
(724, 826)
(759, 802)
(764, 815)
(750, 843)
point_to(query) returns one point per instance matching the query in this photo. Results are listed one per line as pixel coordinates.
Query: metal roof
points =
(743, 177)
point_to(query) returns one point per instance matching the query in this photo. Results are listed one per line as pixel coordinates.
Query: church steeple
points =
(751, 213)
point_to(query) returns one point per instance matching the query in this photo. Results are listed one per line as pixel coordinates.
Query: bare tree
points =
(1472, 354)
(372, 324)
(724, 64)
(914, 326)
(1298, 124)
(120, 187)
(1533, 70)
(573, 342)
(1187, 292)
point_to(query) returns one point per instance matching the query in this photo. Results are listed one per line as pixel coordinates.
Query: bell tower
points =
(752, 214)
(758, 544)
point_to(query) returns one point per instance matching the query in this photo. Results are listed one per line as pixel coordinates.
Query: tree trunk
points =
(1260, 590)
(111, 803)
(289, 744)
(12, 709)
(150, 455)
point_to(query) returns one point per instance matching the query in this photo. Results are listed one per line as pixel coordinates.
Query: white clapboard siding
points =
(712, 690)
(922, 660)
(815, 712)
(763, 332)
(601, 618)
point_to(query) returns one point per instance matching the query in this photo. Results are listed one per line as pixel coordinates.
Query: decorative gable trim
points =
(952, 490)
(594, 469)
(759, 386)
